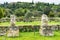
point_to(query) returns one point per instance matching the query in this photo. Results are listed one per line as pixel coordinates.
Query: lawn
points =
(32, 36)
(29, 23)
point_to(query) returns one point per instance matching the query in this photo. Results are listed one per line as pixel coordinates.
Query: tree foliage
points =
(22, 8)
(1, 12)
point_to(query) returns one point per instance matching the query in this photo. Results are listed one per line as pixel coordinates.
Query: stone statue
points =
(13, 30)
(13, 20)
(45, 30)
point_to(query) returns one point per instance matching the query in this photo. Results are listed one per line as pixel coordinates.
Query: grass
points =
(29, 23)
(32, 36)
(21, 23)
(55, 37)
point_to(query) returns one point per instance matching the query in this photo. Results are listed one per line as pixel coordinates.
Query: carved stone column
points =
(13, 30)
(45, 29)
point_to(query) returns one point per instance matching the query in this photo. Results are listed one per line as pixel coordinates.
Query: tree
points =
(51, 14)
(1, 12)
(20, 12)
(8, 12)
(37, 13)
(46, 10)
(28, 15)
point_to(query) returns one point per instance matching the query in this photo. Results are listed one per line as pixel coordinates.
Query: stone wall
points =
(31, 28)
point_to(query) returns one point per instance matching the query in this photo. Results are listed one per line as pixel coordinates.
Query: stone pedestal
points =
(13, 30)
(2, 31)
(45, 30)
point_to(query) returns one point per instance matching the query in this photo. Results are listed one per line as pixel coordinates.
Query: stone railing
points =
(31, 19)
(32, 28)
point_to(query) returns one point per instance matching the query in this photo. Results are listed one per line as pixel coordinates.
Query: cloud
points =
(47, 1)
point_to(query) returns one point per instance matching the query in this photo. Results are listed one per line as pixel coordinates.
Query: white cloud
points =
(48, 1)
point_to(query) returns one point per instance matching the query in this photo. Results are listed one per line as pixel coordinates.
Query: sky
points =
(46, 1)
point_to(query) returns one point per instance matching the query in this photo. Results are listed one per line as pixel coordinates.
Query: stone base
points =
(46, 31)
(13, 32)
